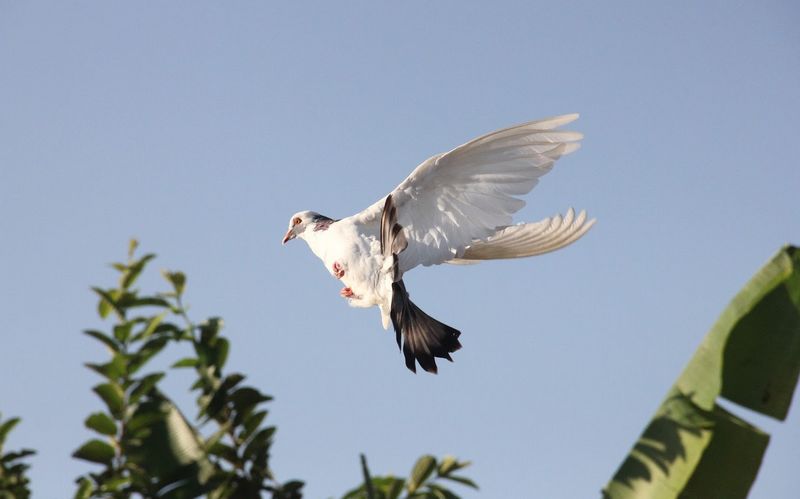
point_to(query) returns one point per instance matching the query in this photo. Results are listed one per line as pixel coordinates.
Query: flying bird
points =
(456, 207)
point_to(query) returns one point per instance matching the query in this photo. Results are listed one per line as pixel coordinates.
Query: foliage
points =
(695, 448)
(424, 482)
(13, 480)
(145, 445)
(148, 448)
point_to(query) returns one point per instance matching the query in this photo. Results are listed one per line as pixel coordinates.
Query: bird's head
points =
(298, 224)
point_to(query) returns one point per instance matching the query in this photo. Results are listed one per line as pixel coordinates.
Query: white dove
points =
(455, 207)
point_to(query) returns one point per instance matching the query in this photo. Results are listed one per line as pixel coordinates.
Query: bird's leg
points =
(338, 270)
(347, 293)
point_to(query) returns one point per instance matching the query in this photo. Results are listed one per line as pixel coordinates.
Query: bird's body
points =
(455, 207)
(355, 248)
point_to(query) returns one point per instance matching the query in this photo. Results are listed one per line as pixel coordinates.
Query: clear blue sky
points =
(200, 128)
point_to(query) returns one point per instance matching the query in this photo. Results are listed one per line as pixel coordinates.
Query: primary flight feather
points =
(455, 207)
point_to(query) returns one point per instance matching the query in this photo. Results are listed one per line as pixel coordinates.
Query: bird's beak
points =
(289, 236)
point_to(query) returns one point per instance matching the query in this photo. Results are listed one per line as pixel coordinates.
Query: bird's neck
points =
(315, 241)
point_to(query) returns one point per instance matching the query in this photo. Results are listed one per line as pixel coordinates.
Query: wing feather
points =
(465, 195)
(524, 240)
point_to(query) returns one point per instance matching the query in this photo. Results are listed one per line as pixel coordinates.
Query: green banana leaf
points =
(693, 448)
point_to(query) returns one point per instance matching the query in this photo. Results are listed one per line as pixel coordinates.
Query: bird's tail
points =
(423, 337)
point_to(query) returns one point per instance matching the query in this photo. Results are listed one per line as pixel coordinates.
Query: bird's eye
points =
(296, 221)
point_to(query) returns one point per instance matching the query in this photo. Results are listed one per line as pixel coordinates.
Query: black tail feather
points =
(424, 338)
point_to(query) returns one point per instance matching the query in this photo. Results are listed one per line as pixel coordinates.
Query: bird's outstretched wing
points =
(529, 239)
(455, 199)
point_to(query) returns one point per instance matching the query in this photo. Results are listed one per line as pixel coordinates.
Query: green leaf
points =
(735, 445)
(462, 480)
(95, 451)
(422, 471)
(113, 370)
(440, 492)
(220, 354)
(112, 395)
(152, 325)
(186, 362)
(148, 301)
(85, 489)
(107, 340)
(450, 464)
(6, 428)
(251, 424)
(108, 302)
(752, 354)
(209, 330)
(247, 397)
(693, 447)
(259, 443)
(143, 386)
(224, 451)
(685, 445)
(170, 450)
(289, 490)
(130, 275)
(217, 435)
(389, 486)
(116, 483)
(177, 279)
(220, 396)
(101, 423)
(146, 352)
(14, 456)
(123, 331)
(132, 245)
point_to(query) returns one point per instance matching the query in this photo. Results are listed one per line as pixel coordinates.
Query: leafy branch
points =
(424, 482)
(146, 446)
(14, 484)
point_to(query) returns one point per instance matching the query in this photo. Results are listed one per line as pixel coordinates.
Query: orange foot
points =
(338, 271)
(347, 293)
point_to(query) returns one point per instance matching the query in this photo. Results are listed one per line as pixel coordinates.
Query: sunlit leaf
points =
(177, 279)
(130, 275)
(152, 325)
(108, 302)
(6, 428)
(85, 489)
(132, 245)
(422, 470)
(693, 447)
(450, 464)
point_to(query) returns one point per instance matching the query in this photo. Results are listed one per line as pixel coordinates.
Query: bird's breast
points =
(358, 253)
